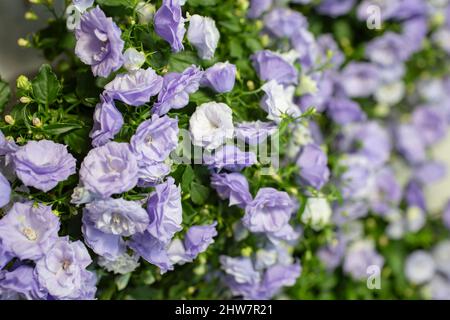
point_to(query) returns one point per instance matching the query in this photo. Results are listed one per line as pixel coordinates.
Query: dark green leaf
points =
(5, 94)
(205, 3)
(199, 193)
(61, 128)
(46, 86)
(115, 3)
(186, 180)
(78, 140)
(180, 61)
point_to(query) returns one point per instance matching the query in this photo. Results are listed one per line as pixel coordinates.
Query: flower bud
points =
(145, 12)
(30, 15)
(23, 83)
(250, 85)
(23, 42)
(9, 119)
(37, 122)
(25, 100)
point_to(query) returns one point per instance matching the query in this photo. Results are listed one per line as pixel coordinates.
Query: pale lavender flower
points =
(107, 122)
(203, 35)
(269, 211)
(327, 45)
(176, 89)
(388, 192)
(153, 174)
(117, 216)
(220, 77)
(155, 139)
(360, 256)
(5, 191)
(165, 211)
(229, 157)
(28, 231)
(414, 195)
(5, 255)
(21, 284)
(331, 255)
(431, 124)
(258, 7)
(357, 182)
(83, 5)
(387, 50)
(62, 271)
(133, 59)
(122, 265)
(169, 24)
(359, 79)
(410, 143)
(419, 267)
(98, 42)
(335, 8)
(349, 211)
(272, 66)
(198, 239)
(255, 132)
(7, 146)
(135, 88)
(430, 172)
(43, 164)
(232, 186)
(313, 165)
(110, 169)
(278, 276)
(284, 22)
(344, 111)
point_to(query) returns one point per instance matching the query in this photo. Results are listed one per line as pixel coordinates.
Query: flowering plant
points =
(215, 149)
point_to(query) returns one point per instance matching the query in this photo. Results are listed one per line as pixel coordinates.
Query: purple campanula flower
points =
(357, 182)
(155, 139)
(408, 9)
(388, 49)
(441, 256)
(269, 211)
(5, 255)
(430, 172)
(220, 77)
(258, 7)
(198, 239)
(169, 24)
(279, 276)
(117, 216)
(349, 211)
(322, 96)
(5, 191)
(368, 139)
(106, 245)
(313, 165)
(359, 79)
(388, 192)
(21, 284)
(83, 5)
(272, 66)
(135, 88)
(203, 35)
(284, 22)
(431, 124)
(256, 132)
(344, 111)
(415, 30)
(419, 267)
(306, 48)
(62, 271)
(414, 195)
(410, 143)
(152, 250)
(211, 125)
(28, 231)
(335, 8)
(98, 43)
(229, 157)
(359, 257)
(107, 122)
(43, 164)
(176, 89)
(110, 169)
(332, 254)
(232, 186)
(446, 215)
(327, 45)
(387, 9)
(165, 211)
(7, 146)
(153, 174)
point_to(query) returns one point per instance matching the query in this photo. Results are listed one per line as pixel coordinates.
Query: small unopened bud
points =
(30, 15)
(243, 4)
(265, 40)
(250, 85)
(25, 100)
(145, 12)
(23, 42)
(9, 119)
(37, 122)
(23, 83)
(35, 1)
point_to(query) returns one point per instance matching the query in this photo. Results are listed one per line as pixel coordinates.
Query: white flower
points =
(419, 267)
(145, 12)
(415, 219)
(203, 35)
(279, 101)
(441, 256)
(83, 5)
(122, 265)
(317, 213)
(391, 93)
(211, 124)
(133, 59)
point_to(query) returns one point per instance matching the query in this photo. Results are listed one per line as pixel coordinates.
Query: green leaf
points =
(5, 94)
(180, 61)
(78, 140)
(46, 86)
(61, 128)
(122, 281)
(199, 193)
(188, 177)
(116, 3)
(204, 3)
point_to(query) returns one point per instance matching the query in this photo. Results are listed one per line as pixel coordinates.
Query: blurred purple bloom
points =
(7, 146)
(198, 239)
(152, 174)
(176, 89)
(359, 79)
(387, 50)
(431, 124)
(349, 211)
(344, 111)
(414, 195)
(220, 77)
(256, 132)
(410, 143)
(232, 186)
(284, 22)
(152, 250)
(229, 157)
(360, 256)
(388, 192)
(357, 181)
(332, 254)
(21, 284)
(258, 7)
(135, 88)
(327, 44)
(110, 169)
(43, 164)
(5, 191)
(107, 122)
(335, 8)
(272, 66)
(165, 211)
(98, 43)
(430, 172)
(28, 231)
(169, 24)
(313, 165)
